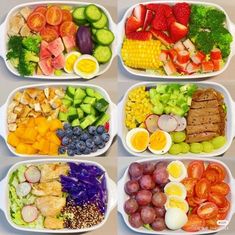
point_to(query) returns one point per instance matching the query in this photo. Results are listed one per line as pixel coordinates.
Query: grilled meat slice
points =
(199, 137)
(203, 95)
(203, 112)
(204, 104)
(203, 128)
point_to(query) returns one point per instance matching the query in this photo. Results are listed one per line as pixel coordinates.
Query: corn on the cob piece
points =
(141, 54)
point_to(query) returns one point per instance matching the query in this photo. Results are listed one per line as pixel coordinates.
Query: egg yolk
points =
(174, 190)
(157, 140)
(70, 62)
(174, 170)
(86, 66)
(176, 203)
(140, 140)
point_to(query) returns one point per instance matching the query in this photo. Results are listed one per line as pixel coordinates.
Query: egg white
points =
(178, 185)
(76, 53)
(169, 198)
(175, 218)
(183, 174)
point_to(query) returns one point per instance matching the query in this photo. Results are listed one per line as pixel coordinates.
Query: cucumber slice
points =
(68, 98)
(80, 113)
(92, 13)
(79, 94)
(90, 92)
(104, 37)
(101, 105)
(103, 54)
(93, 31)
(70, 91)
(75, 122)
(86, 108)
(102, 119)
(79, 14)
(89, 100)
(63, 116)
(98, 96)
(89, 120)
(76, 103)
(72, 114)
(67, 103)
(101, 22)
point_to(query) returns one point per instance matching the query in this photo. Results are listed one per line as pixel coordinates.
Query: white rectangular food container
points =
(5, 202)
(121, 35)
(229, 127)
(4, 37)
(112, 111)
(231, 196)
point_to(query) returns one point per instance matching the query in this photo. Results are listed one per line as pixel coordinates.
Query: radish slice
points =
(151, 123)
(29, 213)
(33, 174)
(182, 123)
(167, 123)
(23, 189)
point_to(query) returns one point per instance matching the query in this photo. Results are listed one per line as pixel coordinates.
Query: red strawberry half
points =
(164, 38)
(160, 9)
(140, 35)
(132, 24)
(148, 19)
(159, 22)
(178, 31)
(182, 12)
(139, 12)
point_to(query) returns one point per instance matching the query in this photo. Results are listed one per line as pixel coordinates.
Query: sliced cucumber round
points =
(92, 13)
(101, 23)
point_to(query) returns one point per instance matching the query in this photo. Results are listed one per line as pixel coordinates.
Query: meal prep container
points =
(4, 203)
(231, 197)
(121, 35)
(112, 111)
(4, 37)
(229, 128)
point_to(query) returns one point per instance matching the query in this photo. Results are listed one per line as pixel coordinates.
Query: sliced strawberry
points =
(159, 22)
(178, 31)
(167, 10)
(106, 126)
(140, 35)
(148, 19)
(164, 38)
(132, 24)
(182, 12)
(170, 20)
(160, 9)
(139, 13)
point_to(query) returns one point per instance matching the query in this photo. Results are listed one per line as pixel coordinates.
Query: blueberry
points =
(81, 146)
(69, 132)
(62, 150)
(77, 152)
(87, 151)
(72, 146)
(91, 130)
(67, 126)
(105, 137)
(60, 133)
(101, 146)
(90, 143)
(65, 141)
(84, 136)
(97, 140)
(77, 131)
(100, 130)
(70, 152)
(94, 149)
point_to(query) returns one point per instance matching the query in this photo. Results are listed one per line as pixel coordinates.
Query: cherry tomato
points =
(55, 27)
(189, 184)
(225, 208)
(36, 21)
(221, 188)
(66, 15)
(199, 201)
(222, 216)
(194, 224)
(212, 175)
(67, 28)
(41, 9)
(219, 168)
(202, 188)
(49, 34)
(196, 169)
(218, 199)
(207, 210)
(54, 15)
(194, 210)
(191, 202)
(212, 224)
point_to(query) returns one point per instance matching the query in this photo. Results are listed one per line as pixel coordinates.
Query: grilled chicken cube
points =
(12, 126)
(37, 107)
(25, 12)
(53, 223)
(12, 106)
(11, 117)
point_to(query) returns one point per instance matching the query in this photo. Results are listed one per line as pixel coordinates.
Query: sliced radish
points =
(167, 123)
(151, 123)
(23, 189)
(182, 123)
(32, 174)
(29, 213)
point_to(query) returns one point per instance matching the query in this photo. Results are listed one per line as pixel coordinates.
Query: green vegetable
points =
(178, 137)
(196, 148)
(218, 142)
(214, 18)
(14, 47)
(204, 41)
(58, 72)
(175, 149)
(207, 147)
(184, 147)
(32, 43)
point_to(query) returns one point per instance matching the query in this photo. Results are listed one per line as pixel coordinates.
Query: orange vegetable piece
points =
(54, 139)
(22, 148)
(43, 128)
(55, 124)
(13, 139)
(31, 123)
(30, 135)
(53, 149)
(39, 120)
(20, 132)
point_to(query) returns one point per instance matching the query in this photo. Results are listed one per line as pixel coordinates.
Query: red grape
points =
(161, 165)
(146, 182)
(147, 214)
(136, 170)
(159, 199)
(159, 224)
(160, 176)
(132, 187)
(143, 197)
(131, 206)
(135, 220)
(149, 167)
(160, 212)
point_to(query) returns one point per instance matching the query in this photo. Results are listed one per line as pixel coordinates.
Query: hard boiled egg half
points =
(175, 189)
(177, 171)
(175, 218)
(160, 142)
(86, 66)
(70, 60)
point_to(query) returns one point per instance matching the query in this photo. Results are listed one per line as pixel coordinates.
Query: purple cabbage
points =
(85, 184)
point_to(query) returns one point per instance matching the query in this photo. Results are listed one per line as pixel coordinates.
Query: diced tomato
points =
(221, 188)
(191, 202)
(217, 64)
(216, 54)
(222, 216)
(212, 224)
(219, 168)
(183, 56)
(199, 201)
(55, 27)
(194, 210)
(225, 208)
(212, 175)
(49, 34)
(218, 199)
(54, 15)
(202, 188)
(36, 21)
(207, 210)
(189, 184)
(148, 19)
(41, 9)
(194, 224)
(68, 28)
(196, 169)
(66, 15)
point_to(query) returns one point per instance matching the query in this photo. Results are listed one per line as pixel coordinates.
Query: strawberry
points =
(139, 13)
(148, 19)
(182, 12)
(159, 22)
(170, 20)
(107, 126)
(140, 35)
(160, 9)
(178, 31)
(164, 38)
(132, 24)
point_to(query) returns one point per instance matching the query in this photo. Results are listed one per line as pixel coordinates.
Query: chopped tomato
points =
(49, 34)
(41, 9)
(196, 169)
(207, 210)
(212, 175)
(55, 27)
(191, 202)
(189, 184)
(68, 28)
(221, 188)
(36, 21)
(54, 15)
(199, 201)
(194, 224)
(222, 216)
(212, 224)
(218, 199)
(202, 188)
(66, 15)
(225, 208)
(219, 168)
(194, 210)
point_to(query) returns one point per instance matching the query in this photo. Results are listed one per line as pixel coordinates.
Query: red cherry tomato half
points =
(225, 208)
(202, 188)
(199, 201)
(219, 168)
(212, 175)
(68, 28)
(221, 188)
(194, 224)
(36, 21)
(54, 15)
(189, 184)
(212, 224)
(196, 169)
(41, 9)
(194, 210)
(191, 202)
(221, 216)
(66, 15)
(207, 210)
(49, 34)
(218, 199)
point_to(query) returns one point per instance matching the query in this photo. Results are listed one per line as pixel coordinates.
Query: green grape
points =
(196, 148)
(207, 147)
(184, 147)
(218, 142)
(175, 149)
(179, 137)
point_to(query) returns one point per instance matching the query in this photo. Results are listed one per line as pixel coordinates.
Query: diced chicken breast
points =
(12, 106)
(12, 126)
(25, 31)
(53, 223)
(25, 12)
(11, 117)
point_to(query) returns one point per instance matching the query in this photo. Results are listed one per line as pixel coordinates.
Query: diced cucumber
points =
(93, 31)
(76, 103)
(90, 92)
(101, 22)
(68, 98)
(86, 108)
(103, 54)
(98, 96)
(70, 91)
(92, 13)
(72, 114)
(79, 94)
(89, 120)
(104, 117)
(104, 37)
(75, 122)
(89, 100)
(80, 113)
(94, 111)
(101, 105)
(79, 14)
(67, 103)
(63, 116)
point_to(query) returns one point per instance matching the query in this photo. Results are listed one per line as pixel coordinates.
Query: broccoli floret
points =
(14, 62)
(222, 36)
(32, 43)
(198, 15)
(225, 50)
(14, 47)
(30, 56)
(204, 41)
(214, 18)
(193, 31)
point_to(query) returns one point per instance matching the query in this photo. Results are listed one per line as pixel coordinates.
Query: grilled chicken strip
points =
(199, 137)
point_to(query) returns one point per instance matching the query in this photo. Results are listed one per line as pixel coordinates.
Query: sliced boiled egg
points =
(175, 189)
(70, 60)
(177, 171)
(177, 202)
(86, 66)
(137, 139)
(160, 142)
(175, 218)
